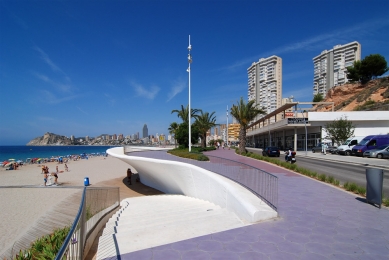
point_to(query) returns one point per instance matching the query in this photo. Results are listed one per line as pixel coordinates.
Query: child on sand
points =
(66, 167)
(45, 172)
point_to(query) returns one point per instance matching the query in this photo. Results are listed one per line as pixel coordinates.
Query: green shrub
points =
(352, 187)
(385, 202)
(45, 247)
(361, 191)
(322, 177)
(336, 183)
(345, 185)
(184, 153)
(330, 179)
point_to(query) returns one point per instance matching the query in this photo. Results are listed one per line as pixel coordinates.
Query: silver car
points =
(380, 152)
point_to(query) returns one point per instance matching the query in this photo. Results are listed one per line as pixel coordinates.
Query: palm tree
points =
(184, 113)
(172, 130)
(204, 122)
(244, 114)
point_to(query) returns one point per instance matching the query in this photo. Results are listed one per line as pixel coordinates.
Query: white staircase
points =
(150, 221)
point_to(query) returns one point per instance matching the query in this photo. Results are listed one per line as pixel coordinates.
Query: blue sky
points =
(92, 67)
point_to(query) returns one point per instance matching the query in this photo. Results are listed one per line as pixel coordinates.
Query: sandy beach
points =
(25, 202)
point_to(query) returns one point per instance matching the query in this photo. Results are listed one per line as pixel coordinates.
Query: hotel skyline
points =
(330, 67)
(265, 83)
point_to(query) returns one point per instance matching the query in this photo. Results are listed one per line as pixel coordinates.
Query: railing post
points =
(82, 230)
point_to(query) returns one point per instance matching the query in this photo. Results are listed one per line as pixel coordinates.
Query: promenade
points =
(316, 221)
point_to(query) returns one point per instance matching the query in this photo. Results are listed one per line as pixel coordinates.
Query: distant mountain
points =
(50, 139)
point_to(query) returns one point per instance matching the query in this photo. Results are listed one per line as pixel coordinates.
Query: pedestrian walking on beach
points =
(129, 174)
(56, 168)
(66, 167)
(45, 178)
(56, 177)
(45, 174)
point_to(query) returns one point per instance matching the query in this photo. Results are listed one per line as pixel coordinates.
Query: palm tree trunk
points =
(242, 140)
(203, 141)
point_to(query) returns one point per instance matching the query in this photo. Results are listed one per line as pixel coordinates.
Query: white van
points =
(349, 144)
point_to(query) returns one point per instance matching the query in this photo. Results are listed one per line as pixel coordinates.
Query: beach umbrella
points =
(19, 161)
(8, 164)
(11, 159)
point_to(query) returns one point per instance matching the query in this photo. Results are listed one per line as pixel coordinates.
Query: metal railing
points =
(259, 182)
(96, 202)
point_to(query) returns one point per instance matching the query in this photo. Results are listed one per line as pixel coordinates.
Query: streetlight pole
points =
(189, 111)
(227, 126)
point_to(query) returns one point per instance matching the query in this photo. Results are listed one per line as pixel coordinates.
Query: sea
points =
(23, 152)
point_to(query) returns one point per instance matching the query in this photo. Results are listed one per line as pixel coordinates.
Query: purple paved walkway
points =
(316, 221)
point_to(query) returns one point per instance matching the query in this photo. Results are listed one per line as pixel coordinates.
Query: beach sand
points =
(25, 202)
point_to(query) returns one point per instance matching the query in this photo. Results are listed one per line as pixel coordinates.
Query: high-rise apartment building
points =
(330, 67)
(265, 83)
(145, 131)
(233, 131)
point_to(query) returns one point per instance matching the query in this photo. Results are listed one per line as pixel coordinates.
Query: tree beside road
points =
(339, 130)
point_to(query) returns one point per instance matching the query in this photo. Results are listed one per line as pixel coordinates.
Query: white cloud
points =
(59, 86)
(335, 37)
(177, 88)
(50, 98)
(143, 92)
(110, 99)
(48, 61)
(82, 110)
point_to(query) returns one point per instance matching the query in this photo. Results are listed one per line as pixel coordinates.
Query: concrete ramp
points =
(145, 222)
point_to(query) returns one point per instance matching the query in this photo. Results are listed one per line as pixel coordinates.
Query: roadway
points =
(342, 168)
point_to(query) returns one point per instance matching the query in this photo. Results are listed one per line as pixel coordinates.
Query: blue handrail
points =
(68, 239)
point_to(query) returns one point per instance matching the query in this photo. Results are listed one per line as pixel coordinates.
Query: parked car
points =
(369, 143)
(379, 152)
(346, 148)
(271, 151)
(330, 149)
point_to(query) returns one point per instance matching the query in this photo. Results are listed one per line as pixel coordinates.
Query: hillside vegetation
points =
(373, 95)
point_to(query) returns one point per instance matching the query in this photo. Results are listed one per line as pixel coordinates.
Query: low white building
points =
(291, 131)
(365, 122)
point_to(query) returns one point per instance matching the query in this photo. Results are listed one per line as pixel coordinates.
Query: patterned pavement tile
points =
(316, 221)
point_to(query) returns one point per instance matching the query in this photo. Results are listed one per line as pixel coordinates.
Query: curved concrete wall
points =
(173, 177)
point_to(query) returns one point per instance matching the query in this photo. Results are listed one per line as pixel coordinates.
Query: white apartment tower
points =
(330, 67)
(265, 83)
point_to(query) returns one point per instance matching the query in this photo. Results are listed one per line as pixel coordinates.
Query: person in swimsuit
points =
(56, 177)
(45, 172)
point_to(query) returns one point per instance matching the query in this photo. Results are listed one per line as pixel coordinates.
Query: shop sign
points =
(289, 114)
(297, 120)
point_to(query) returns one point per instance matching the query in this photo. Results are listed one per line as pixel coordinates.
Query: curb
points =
(340, 161)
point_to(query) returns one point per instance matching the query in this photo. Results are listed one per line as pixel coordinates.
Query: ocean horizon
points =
(23, 152)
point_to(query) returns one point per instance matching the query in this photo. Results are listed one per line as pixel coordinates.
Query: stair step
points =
(130, 239)
(150, 222)
(160, 214)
